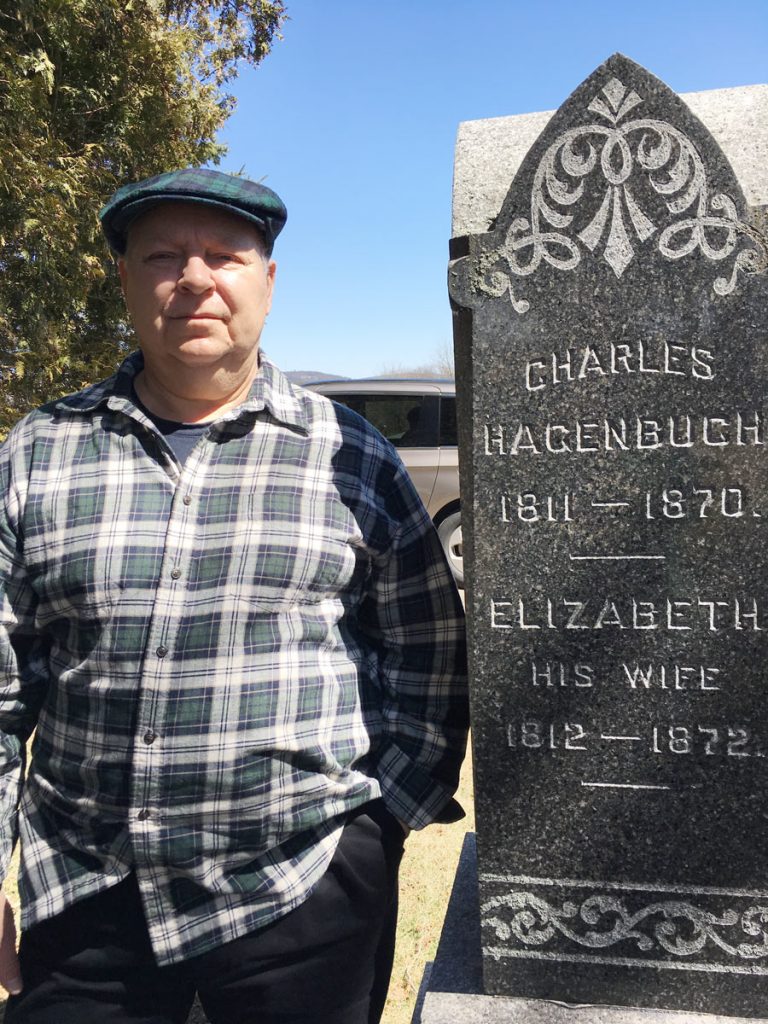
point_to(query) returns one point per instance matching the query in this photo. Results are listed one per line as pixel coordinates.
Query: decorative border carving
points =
(620, 151)
(674, 926)
(643, 926)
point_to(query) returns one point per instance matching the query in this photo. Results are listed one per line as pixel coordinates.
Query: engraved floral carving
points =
(674, 926)
(625, 154)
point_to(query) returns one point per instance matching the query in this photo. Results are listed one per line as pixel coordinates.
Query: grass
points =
(426, 877)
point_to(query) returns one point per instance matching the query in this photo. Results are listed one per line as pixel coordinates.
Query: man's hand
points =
(10, 971)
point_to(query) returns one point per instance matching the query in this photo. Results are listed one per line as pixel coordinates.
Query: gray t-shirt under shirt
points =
(182, 437)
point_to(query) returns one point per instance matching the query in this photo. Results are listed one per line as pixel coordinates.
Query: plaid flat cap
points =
(256, 203)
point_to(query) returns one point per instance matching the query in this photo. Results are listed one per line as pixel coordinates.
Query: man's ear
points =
(271, 269)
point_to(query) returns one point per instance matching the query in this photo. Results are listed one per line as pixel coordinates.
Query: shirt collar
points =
(271, 390)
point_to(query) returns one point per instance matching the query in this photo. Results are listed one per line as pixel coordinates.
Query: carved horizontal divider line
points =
(582, 883)
(502, 953)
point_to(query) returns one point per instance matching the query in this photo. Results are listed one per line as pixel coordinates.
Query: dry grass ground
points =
(426, 877)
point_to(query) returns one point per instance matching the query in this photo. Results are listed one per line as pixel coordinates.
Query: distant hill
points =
(303, 376)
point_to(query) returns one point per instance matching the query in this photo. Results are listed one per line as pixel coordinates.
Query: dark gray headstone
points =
(612, 345)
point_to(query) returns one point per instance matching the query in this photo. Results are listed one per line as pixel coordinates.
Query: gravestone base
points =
(452, 986)
(452, 1008)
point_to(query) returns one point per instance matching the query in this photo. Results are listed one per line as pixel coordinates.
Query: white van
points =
(418, 416)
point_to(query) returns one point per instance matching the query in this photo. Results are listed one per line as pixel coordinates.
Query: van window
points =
(448, 431)
(408, 421)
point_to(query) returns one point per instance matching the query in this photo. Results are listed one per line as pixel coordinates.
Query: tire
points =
(449, 532)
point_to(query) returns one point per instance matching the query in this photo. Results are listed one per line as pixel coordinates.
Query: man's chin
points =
(200, 351)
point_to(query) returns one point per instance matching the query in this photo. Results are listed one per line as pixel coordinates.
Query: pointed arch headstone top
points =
(622, 169)
(489, 151)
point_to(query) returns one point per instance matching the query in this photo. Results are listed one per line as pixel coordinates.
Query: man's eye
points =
(160, 257)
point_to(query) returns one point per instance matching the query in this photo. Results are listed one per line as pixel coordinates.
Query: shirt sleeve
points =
(414, 616)
(23, 666)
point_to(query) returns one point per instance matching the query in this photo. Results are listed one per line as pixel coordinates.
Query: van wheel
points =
(449, 532)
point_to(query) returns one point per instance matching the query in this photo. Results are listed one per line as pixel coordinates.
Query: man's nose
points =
(195, 276)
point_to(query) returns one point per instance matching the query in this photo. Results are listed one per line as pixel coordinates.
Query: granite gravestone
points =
(611, 333)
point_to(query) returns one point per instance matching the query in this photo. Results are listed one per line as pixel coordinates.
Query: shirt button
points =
(150, 737)
(175, 574)
(143, 814)
(161, 651)
(187, 499)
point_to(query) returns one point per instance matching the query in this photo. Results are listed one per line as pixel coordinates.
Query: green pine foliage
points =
(94, 93)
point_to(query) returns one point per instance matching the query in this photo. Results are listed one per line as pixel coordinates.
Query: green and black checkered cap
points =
(256, 203)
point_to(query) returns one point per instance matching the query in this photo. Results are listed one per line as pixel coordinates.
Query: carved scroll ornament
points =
(673, 926)
(620, 151)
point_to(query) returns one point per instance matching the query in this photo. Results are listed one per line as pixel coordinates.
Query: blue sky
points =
(353, 116)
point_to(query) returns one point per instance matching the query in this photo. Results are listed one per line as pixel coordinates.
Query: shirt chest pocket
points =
(296, 559)
(78, 597)
(86, 546)
(69, 563)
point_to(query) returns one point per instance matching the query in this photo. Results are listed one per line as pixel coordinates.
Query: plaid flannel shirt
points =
(219, 661)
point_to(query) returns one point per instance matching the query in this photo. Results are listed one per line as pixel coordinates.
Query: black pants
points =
(326, 962)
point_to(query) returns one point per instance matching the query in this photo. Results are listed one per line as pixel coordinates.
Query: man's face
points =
(197, 287)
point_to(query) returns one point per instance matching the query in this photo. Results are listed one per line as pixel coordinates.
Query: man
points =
(229, 620)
